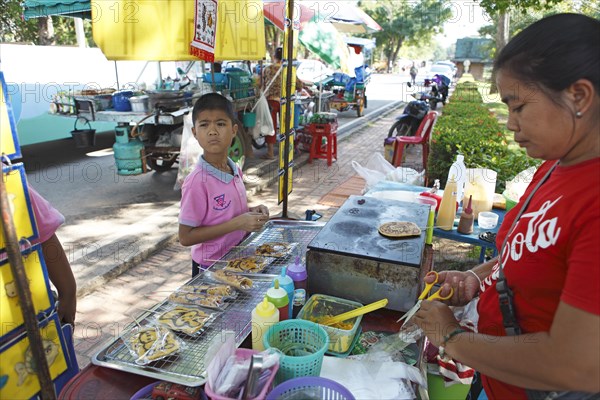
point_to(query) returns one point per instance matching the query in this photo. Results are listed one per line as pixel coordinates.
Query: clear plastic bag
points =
(189, 153)
(151, 343)
(188, 320)
(264, 122)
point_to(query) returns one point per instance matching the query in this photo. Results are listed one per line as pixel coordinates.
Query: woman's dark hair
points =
(213, 101)
(278, 54)
(554, 52)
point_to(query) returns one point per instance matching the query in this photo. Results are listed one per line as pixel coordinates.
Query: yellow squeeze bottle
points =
(264, 315)
(447, 211)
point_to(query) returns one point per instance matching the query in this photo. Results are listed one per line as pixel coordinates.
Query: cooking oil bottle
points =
(447, 211)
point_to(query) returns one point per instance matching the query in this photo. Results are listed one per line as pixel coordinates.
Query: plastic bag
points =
(189, 153)
(264, 122)
(378, 169)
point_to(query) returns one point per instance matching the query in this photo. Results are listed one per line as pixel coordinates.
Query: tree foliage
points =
(14, 29)
(524, 6)
(406, 22)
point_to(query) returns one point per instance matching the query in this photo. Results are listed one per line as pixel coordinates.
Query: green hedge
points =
(467, 127)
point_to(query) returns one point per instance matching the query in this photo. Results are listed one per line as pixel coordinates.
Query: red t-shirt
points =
(552, 255)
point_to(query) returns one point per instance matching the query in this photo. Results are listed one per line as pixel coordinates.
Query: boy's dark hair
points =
(278, 54)
(554, 52)
(213, 101)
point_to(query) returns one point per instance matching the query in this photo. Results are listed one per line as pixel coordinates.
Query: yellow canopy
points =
(162, 30)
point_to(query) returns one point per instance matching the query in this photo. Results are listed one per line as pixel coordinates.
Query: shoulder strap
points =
(505, 294)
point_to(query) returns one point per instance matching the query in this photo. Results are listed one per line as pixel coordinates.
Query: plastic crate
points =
(327, 129)
(240, 83)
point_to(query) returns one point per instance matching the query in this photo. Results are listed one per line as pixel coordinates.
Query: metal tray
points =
(189, 367)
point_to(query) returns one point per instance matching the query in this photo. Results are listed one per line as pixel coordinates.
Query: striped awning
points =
(68, 8)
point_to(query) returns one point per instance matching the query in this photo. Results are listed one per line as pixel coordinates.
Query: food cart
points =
(349, 93)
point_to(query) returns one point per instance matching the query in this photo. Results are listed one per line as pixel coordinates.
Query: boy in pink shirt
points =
(214, 214)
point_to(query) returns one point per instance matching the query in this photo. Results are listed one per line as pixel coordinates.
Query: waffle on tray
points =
(209, 289)
(153, 343)
(197, 299)
(252, 264)
(237, 281)
(184, 319)
(273, 249)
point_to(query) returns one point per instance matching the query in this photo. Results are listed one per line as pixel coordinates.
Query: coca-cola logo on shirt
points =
(540, 232)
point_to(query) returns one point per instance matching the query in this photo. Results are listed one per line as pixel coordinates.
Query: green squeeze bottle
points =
(279, 297)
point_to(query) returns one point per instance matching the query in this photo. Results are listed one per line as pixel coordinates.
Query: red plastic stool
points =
(319, 148)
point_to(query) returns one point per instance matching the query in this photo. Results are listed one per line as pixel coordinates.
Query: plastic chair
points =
(421, 137)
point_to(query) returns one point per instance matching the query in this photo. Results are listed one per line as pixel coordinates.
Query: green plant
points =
(469, 128)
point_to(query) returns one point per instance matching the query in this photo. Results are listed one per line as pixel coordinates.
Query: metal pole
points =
(25, 299)
(288, 111)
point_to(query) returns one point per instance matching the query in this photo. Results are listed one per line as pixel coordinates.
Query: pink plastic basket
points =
(246, 354)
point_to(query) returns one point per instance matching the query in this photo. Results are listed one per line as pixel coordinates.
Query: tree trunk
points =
(501, 40)
(396, 51)
(45, 31)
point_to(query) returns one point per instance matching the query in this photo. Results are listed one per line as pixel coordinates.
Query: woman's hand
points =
(465, 285)
(436, 320)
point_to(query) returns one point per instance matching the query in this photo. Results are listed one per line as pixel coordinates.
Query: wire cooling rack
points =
(188, 367)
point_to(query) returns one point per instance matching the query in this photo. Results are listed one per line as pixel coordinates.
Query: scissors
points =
(435, 296)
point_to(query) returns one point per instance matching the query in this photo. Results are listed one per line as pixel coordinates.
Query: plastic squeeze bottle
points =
(459, 171)
(263, 316)
(279, 297)
(297, 272)
(287, 284)
(465, 224)
(447, 211)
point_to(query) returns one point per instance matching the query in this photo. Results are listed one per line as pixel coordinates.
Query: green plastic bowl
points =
(510, 203)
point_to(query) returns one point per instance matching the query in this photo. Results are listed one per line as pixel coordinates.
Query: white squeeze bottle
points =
(459, 171)
(264, 315)
(447, 210)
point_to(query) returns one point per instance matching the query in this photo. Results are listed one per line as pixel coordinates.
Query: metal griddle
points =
(350, 259)
(353, 231)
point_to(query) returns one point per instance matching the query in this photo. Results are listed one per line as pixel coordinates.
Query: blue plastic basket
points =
(310, 387)
(303, 344)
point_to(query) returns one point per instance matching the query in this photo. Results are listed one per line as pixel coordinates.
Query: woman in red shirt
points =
(549, 244)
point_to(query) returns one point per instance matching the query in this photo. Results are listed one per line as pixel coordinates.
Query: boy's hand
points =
(253, 221)
(261, 210)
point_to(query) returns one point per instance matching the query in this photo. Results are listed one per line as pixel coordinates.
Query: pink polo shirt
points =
(211, 197)
(47, 218)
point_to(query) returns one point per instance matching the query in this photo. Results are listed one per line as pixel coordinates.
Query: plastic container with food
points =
(341, 335)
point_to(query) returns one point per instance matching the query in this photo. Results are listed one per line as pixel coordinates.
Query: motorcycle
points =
(410, 119)
(439, 86)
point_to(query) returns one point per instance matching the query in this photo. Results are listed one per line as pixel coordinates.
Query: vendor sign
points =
(228, 30)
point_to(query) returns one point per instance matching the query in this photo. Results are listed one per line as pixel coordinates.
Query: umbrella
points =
(274, 11)
(345, 17)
